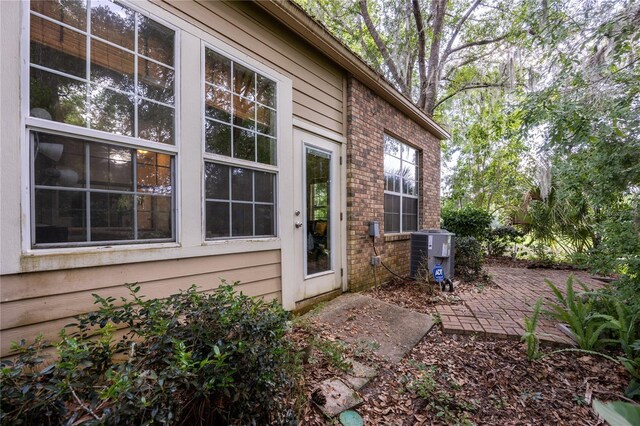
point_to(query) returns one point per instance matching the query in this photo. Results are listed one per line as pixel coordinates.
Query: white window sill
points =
(36, 260)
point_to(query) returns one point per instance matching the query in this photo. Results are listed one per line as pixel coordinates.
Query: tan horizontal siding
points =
(45, 306)
(317, 82)
(38, 284)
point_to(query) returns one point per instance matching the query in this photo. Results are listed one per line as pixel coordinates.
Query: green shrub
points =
(468, 258)
(618, 412)
(193, 358)
(580, 313)
(530, 337)
(467, 222)
(501, 238)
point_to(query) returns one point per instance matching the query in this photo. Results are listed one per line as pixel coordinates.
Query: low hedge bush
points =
(193, 358)
(467, 222)
(469, 258)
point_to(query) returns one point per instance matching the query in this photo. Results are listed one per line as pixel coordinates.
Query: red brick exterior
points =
(369, 117)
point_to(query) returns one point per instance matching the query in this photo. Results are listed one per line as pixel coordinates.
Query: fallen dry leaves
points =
(468, 379)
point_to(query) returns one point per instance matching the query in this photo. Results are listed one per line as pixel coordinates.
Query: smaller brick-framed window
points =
(400, 186)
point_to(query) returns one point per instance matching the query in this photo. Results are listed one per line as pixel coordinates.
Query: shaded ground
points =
(358, 319)
(457, 379)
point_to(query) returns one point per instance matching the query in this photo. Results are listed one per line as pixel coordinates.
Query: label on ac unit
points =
(430, 242)
(445, 250)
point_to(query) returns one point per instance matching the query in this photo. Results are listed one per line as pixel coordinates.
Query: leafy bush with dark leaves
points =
(193, 358)
(467, 222)
(469, 258)
(499, 239)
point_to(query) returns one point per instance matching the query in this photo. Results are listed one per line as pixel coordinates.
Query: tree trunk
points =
(433, 67)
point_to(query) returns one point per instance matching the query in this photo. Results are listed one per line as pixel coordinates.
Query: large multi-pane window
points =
(240, 149)
(88, 192)
(100, 65)
(400, 186)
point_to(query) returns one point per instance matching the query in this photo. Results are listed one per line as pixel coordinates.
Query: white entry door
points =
(318, 233)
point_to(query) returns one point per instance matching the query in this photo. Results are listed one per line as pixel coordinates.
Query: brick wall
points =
(369, 118)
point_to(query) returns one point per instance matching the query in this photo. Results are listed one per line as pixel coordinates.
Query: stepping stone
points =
(351, 418)
(356, 318)
(360, 374)
(339, 397)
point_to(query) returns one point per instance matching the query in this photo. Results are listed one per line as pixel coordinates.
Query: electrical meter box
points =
(435, 246)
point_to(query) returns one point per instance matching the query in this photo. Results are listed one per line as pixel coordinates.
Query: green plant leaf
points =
(618, 413)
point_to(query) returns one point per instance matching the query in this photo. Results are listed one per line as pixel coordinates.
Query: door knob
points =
(298, 224)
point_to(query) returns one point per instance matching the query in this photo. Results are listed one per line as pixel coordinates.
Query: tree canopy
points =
(541, 97)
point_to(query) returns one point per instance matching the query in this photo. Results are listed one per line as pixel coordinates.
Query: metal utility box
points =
(437, 246)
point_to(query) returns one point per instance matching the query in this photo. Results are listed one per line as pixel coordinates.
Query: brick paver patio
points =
(500, 311)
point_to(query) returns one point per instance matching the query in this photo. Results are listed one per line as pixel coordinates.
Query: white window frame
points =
(33, 124)
(400, 194)
(238, 162)
(17, 256)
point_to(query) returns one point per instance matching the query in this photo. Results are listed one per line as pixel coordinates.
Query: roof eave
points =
(294, 18)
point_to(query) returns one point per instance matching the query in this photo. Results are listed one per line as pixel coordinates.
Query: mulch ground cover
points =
(458, 379)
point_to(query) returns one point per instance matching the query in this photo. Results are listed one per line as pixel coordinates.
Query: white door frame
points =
(292, 267)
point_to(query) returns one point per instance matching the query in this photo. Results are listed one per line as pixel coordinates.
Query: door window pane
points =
(318, 210)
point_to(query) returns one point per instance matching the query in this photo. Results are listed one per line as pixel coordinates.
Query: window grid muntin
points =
(87, 80)
(87, 190)
(231, 201)
(231, 124)
(400, 193)
(237, 162)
